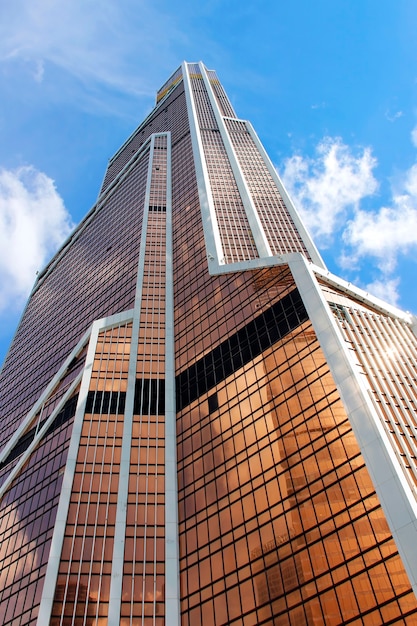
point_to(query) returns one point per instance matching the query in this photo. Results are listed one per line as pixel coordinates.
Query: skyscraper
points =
(199, 423)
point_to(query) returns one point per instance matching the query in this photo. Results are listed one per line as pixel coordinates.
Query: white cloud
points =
(326, 186)
(388, 232)
(329, 190)
(392, 117)
(386, 289)
(33, 223)
(99, 45)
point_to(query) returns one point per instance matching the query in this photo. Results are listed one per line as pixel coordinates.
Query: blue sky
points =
(330, 87)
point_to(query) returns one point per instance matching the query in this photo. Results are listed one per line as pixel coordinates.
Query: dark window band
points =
(246, 344)
(238, 350)
(24, 442)
(149, 400)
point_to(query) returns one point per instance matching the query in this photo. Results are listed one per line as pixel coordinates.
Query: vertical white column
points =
(51, 575)
(394, 492)
(305, 235)
(123, 489)
(210, 226)
(172, 579)
(258, 233)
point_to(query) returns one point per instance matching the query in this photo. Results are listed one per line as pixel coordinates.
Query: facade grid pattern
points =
(144, 557)
(169, 84)
(83, 585)
(194, 70)
(385, 350)
(28, 510)
(95, 278)
(278, 225)
(36, 425)
(280, 522)
(277, 518)
(235, 232)
(169, 115)
(27, 519)
(222, 99)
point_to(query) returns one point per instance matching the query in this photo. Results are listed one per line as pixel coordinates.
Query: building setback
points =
(200, 424)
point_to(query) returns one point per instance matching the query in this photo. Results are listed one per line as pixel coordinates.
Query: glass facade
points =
(83, 582)
(384, 350)
(279, 520)
(178, 434)
(277, 223)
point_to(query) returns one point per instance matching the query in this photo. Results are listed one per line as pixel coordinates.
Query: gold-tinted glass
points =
(83, 584)
(279, 520)
(143, 584)
(383, 348)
